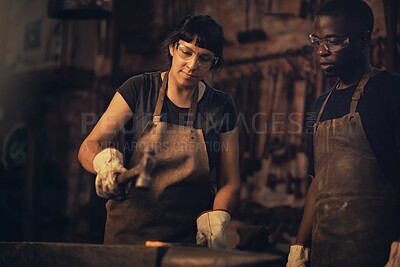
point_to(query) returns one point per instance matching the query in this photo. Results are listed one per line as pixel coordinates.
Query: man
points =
(351, 215)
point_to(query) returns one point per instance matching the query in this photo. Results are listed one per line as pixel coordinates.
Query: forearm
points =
(106, 129)
(299, 254)
(228, 172)
(227, 197)
(304, 233)
(87, 152)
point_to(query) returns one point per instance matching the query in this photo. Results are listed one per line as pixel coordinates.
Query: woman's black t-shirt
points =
(216, 111)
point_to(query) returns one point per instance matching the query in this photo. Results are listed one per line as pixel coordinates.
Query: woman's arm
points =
(106, 129)
(229, 177)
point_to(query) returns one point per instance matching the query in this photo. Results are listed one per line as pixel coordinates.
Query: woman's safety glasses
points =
(203, 60)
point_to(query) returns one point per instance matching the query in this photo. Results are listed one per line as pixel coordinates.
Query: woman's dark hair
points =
(354, 11)
(208, 33)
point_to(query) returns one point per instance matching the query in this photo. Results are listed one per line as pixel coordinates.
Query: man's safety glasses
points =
(203, 60)
(332, 44)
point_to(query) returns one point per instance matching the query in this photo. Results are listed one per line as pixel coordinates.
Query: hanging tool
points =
(254, 34)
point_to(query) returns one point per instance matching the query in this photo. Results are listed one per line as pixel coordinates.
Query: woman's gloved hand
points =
(394, 257)
(211, 226)
(108, 164)
(298, 256)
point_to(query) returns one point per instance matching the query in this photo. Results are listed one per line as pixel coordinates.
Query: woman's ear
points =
(171, 49)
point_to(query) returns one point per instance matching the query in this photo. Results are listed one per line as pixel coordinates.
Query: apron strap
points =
(160, 99)
(356, 96)
(193, 107)
(160, 102)
(359, 91)
(323, 106)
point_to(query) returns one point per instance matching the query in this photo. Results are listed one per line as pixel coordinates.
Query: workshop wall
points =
(57, 77)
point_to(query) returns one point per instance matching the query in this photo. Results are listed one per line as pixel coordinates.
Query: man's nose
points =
(322, 49)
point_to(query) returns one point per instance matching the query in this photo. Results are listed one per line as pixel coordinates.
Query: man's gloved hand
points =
(211, 226)
(394, 257)
(108, 164)
(298, 256)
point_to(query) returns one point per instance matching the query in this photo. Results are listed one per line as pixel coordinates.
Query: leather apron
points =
(180, 190)
(356, 214)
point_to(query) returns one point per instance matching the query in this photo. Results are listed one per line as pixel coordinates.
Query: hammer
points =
(142, 170)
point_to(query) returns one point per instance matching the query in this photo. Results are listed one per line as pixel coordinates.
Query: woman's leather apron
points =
(356, 215)
(180, 190)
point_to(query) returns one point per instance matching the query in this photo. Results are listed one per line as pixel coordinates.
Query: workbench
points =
(29, 254)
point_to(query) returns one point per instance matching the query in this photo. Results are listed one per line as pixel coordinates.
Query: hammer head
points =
(147, 164)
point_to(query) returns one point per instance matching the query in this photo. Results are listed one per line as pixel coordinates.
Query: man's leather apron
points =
(356, 215)
(180, 190)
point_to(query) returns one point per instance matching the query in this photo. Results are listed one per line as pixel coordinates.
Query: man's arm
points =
(299, 253)
(304, 233)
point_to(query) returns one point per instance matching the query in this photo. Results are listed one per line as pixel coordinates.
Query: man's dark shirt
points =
(379, 109)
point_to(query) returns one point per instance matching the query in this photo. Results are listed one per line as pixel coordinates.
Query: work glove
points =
(394, 257)
(298, 256)
(108, 164)
(211, 226)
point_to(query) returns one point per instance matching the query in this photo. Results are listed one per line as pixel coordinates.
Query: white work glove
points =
(394, 257)
(108, 164)
(298, 256)
(211, 226)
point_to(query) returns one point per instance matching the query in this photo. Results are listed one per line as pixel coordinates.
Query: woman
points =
(192, 130)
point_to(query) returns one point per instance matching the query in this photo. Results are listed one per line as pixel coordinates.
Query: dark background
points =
(57, 77)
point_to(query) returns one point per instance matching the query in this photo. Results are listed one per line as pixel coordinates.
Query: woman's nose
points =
(193, 63)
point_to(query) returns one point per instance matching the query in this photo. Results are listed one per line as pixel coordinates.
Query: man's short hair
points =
(356, 11)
